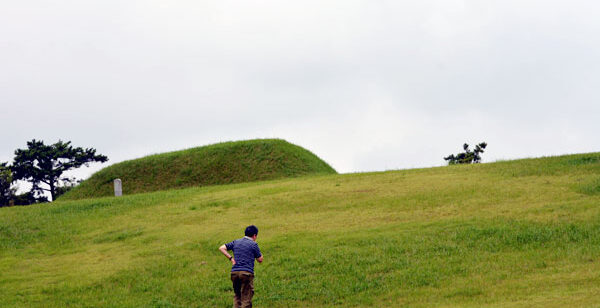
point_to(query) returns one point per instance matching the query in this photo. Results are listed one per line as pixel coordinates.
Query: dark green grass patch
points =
(119, 235)
(568, 164)
(223, 163)
(526, 235)
(586, 159)
(589, 187)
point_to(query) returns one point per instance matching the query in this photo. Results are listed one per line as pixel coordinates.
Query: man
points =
(245, 251)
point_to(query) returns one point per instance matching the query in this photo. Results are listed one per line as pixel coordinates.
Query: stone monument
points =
(118, 188)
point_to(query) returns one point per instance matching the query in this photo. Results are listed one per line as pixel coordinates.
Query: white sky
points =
(366, 85)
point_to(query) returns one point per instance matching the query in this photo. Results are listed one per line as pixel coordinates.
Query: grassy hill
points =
(522, 233)
(222, 163)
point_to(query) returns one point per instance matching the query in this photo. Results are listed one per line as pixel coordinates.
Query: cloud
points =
(365, 85)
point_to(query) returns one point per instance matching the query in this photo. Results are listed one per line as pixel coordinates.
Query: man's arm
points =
(258, 253)
(223, 250)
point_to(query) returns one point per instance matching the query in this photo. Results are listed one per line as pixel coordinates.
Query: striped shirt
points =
(245, 250)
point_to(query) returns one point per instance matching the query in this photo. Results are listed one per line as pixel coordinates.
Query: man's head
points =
(251, 231)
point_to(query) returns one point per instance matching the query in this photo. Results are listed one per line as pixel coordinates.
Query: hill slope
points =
(222, 163)
(512, 234)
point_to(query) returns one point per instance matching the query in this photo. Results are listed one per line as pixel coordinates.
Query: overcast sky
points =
(365, 85)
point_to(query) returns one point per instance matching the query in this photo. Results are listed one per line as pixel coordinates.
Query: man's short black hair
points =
(251, 230)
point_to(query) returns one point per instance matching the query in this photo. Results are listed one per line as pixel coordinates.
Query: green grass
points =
(222, 163)
(507, 234)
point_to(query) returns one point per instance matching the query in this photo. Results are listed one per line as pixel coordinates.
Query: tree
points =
(45, 164)
(7, 192)
(30, 197)
(68, 184)
(468, 156)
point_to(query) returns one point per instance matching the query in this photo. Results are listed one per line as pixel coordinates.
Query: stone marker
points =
(118, 188)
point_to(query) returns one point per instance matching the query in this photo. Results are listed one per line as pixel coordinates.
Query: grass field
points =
(506, 234)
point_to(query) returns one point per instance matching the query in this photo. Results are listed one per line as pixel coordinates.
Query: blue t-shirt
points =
(245, 250)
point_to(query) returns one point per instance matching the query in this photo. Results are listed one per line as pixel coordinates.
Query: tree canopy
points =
(468, 156)
(6, 190)
(45, 164)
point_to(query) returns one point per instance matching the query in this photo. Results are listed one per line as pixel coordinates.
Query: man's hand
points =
(232, 261)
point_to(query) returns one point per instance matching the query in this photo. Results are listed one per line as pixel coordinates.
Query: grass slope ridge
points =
(520, 233)
(222, 163)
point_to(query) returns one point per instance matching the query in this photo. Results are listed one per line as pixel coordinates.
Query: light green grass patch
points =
(507, 234)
